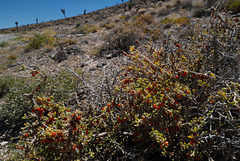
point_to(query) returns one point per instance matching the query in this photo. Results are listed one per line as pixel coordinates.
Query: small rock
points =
(79, 35)
(12, 65)
(101, 64)
(109, 56)
(82, 64)
(4, 143)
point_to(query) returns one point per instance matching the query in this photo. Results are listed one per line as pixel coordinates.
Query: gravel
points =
(6, 37)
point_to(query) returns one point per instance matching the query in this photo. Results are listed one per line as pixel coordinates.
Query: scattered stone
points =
(82, 64)
(12, 65)
(101, 64)
(4, 143)
(142, 11)
(109, 56)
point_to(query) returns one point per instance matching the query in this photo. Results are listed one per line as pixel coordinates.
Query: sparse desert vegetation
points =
(143, 80)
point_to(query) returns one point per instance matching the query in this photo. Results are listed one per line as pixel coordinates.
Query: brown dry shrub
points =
(122, 37)
(162, 11)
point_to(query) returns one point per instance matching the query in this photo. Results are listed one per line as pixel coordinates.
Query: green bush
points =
(16, 105)
(4, 44)
(39, 40)
(78, 25)
(36, 42)
(6, 84)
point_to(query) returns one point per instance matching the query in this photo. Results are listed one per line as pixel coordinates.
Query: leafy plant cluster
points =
(39, 40)
(234, 6)
(169, 98)
(16, 103)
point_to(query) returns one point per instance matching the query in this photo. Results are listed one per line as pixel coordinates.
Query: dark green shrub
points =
(78, 25)
(4, 44)
(200, 12)
(6, 84)
(39, 40)
(235, 6)
(36, 42)
(15, 104)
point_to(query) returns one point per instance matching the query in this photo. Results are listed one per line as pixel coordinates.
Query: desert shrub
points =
(187, 4)
(39, 40)
(152, 11)
(167, 21)
(122, 17)
(78, 25)
(235, 6)
(88, 28)
(67, 41)
(122, 37)
(49, 32)
(173, 100)
(200, 12)
(12, 57)
(182, 21)
(16, 105)
(109, 26)
(36, 42)
(162, 11)
(147, 18)
(4, 44)
(6, 84)
(142, 11)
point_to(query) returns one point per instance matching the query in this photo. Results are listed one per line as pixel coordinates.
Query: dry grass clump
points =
(142, 11)
(165, 7)
(182, 21)
(68, 41)
(122, 37)
(162, 11)
(152, 11)
(147, 18)
(108, 23)
(12, 57)
(49, 32)
(88, 28)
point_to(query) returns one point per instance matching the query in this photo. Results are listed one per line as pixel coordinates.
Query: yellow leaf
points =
(213, 75)
(190, 136)
(23, 67)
